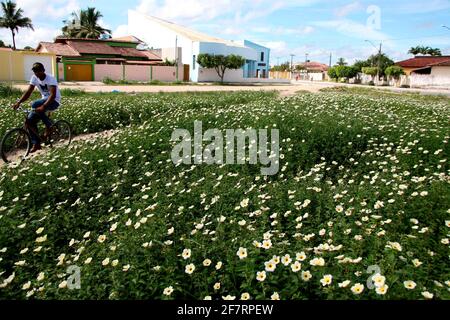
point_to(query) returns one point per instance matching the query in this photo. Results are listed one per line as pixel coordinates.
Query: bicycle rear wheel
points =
(15, 145)
(61, 134)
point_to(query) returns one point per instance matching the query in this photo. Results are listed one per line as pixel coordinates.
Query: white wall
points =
(210, 75)
(170, 54)
(426, 80)
(29, 60)
(440, 71)
(159, 37)
(60, 67)
(221, 48)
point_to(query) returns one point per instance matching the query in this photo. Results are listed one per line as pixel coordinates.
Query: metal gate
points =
(78, 72)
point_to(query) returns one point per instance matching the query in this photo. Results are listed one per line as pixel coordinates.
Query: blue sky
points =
(316, 27)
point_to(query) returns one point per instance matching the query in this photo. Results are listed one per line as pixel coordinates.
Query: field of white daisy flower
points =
(360, 208)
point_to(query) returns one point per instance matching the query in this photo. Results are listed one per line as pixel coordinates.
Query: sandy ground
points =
(284, 89)
(79, 138)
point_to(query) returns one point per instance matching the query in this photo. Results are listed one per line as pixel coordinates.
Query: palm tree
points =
(13, 19)
(88, 26)
(434, 52)
(425, 51)
(341, 62)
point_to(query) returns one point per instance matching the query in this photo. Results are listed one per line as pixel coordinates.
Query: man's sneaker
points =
(36, 147)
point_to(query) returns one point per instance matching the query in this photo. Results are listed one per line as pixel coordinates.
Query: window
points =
(193, 62)
(262, 56)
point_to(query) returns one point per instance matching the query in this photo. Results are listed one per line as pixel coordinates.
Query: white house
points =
(167, 36)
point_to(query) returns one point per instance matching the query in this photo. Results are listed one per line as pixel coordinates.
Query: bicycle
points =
(16, 143)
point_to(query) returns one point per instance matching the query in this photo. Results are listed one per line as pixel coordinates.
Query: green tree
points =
(371, 71)
(360, 64)
(341, 62)
(85, 25)
(169, 63)
(394, 71)
(342, 72)
(2, 44)
(332, 73)
(220, 62)
(13, 19)
(283, 67)
(425, 51)
(346, 72)
(28, 48)
(382, 60)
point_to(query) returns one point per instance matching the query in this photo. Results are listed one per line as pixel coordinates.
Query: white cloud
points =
(186, 10)
(276, 46)
(43, 14)
(410, 7)
(231, 31)
(204, 10)
(120, 31)
(28, 37)
(273, 30)
(352, 29)
(103, 24)
(347, 9)
(43, 10)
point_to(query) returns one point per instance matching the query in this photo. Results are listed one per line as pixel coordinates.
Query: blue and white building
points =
(260, 67)
(182, 44)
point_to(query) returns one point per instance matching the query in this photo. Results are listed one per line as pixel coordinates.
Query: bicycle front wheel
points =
(61, 134)
(15, 145)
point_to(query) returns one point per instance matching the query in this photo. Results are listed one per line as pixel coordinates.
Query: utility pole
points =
(292, 64)
(331, 55)
(306, 64)
(379, 61)
(176, 55)
(379, 57)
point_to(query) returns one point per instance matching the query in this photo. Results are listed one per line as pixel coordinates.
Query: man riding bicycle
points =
(51, 99)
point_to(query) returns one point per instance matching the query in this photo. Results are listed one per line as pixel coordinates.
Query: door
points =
(78, 72)
(186, 72)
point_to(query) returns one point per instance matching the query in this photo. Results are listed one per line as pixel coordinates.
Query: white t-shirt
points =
(44, 86)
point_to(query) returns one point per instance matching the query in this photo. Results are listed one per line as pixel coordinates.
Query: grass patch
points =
(7, 90)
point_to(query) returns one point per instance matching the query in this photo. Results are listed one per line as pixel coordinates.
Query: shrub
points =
(108, 80)
(7, 90)
(72, 92)
(346, 72)
(332, 73)
(394, 71)
(371, 71)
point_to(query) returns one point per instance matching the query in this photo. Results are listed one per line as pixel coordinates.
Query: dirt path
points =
(80, 138)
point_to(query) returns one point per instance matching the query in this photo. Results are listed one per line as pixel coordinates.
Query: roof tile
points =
(60, 49)
(422, 61)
